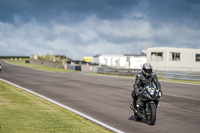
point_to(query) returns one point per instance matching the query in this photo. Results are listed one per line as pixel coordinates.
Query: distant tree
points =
(55, 57)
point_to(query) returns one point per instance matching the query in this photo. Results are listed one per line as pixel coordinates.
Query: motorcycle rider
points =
(143, 78)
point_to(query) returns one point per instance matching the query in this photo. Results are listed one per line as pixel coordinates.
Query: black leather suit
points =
(141, 80)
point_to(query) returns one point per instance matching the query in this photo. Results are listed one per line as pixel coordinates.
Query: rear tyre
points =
(137, 118)
(152, 117)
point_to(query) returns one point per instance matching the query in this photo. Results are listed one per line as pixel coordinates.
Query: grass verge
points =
(23, 112)
(180, 81)
(22, 63)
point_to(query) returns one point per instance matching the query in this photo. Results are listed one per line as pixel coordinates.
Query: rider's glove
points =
(138, 91)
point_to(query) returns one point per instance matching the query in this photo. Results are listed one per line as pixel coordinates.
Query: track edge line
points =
(66, 107)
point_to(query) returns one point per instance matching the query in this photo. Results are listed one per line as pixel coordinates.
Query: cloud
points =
(63, 10)
(79, 29)
(90, 37)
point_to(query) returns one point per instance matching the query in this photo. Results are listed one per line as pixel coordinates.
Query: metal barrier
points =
(178, 75)
(117, 71)
(160, 74)
(74, 67)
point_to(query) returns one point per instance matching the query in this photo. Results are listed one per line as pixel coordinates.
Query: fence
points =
(74, 67)
(117, 71)
(46, 63)
(160, 74)
(178, 75)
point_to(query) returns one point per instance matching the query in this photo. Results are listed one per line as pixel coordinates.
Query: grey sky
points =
(80, 28)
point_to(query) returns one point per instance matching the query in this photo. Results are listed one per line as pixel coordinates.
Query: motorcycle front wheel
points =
(152, 117)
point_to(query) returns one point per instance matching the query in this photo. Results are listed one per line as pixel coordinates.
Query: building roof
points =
(120, 55)
(108, 55)
(135, 54)
(172, 48)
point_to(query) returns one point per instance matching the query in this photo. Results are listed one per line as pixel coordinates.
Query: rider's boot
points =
(133, 106)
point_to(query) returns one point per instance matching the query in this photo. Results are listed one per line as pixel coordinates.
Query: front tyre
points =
(152, 117)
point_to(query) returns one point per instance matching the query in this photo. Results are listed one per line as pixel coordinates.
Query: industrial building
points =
(132, 61)
(174, 59)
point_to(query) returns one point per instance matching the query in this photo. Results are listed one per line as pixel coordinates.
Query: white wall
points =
(109, 60)
(137, 62)
(120, 61)
(187, 59)
(157, 64)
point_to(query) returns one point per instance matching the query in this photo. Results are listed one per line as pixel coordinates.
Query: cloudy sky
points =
(78, 28)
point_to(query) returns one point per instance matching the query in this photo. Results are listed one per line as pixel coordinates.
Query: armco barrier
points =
(117, 71)
(178, 75)
(160, 74)
(74, 67)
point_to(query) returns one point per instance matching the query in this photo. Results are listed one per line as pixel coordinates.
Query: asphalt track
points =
(107, 99)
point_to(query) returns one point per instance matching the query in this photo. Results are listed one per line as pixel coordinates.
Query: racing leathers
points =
(140, 81)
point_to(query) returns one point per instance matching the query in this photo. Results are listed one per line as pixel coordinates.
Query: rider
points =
(143, 78)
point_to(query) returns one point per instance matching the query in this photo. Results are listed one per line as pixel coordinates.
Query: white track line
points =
(68, 108)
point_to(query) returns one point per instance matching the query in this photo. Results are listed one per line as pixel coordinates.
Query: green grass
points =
(181, 81)
(22, 63)
(22, 112)
(160, 79)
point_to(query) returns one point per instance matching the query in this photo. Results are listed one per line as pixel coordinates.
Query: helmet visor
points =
(148, 71)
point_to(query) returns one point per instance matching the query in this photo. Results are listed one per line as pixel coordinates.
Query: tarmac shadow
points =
(132, 118)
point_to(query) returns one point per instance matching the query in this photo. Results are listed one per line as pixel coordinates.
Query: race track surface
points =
(107, 99)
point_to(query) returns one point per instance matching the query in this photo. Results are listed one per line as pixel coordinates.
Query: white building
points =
(175, 59)
(121, 60)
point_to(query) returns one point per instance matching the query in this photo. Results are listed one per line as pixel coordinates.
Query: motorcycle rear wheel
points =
(152, 118)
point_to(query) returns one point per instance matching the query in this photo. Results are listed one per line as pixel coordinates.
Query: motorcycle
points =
(147, 103)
